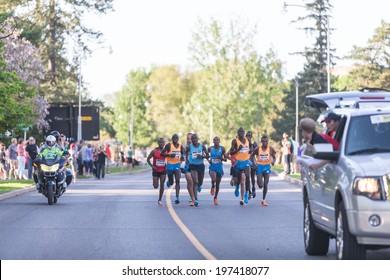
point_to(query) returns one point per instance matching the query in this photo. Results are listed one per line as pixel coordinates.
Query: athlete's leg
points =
(177, 180)
(266, 180)
(190, 184)
(253, 175)
(195, 180)
(242, 177)
(155, 182)
(162, 181)
(217, 184)
(213, 176)
(260, 182)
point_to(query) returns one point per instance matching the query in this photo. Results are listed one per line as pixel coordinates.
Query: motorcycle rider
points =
(62, 144)
(51, 146)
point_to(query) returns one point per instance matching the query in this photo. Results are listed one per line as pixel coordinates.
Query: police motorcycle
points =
(50, 174)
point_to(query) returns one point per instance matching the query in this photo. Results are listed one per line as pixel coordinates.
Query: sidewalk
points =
(288, 178)
(32, 188)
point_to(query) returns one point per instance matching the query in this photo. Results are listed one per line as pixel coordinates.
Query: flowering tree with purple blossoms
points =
(23, 58)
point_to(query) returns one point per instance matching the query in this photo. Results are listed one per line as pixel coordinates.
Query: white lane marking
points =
(191, 237)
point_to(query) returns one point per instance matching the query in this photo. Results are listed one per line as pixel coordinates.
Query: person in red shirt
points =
(159, 170)
(108, 159)
(332, 121)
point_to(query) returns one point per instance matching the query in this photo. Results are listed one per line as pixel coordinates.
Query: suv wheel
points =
(347, 247)
(316, 241)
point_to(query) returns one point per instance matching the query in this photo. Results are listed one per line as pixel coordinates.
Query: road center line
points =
(191, 237)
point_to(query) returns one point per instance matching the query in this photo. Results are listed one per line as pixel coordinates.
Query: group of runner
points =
(248, 159)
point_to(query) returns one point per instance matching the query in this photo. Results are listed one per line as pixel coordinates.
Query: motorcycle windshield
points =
(51, 158)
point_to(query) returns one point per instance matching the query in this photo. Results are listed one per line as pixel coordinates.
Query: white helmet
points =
(50, 140)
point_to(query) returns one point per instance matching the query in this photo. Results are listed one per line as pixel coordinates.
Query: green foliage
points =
(49, 25)
(235, 85)
(313, 78)
(130, 106)
(372, 67)
(168, 92)
(15, 99)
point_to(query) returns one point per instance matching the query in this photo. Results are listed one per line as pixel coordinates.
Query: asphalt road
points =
(118, 219)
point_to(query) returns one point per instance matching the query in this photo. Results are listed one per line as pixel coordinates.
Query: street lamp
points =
(79, 118)
(285, 5)
(296, 110)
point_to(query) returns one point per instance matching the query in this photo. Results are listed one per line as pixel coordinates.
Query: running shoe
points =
(160, 203)
(264, 203)
(253, 192)
(199, 188)
(177, 201)
(212, 191)
(215, 201)
(241, 202)
(246, 197)
(196, 203)
(237, 191)
(250, 195)
(167, 184)
(192, 203)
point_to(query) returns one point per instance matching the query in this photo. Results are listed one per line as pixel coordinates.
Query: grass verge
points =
(11, 185)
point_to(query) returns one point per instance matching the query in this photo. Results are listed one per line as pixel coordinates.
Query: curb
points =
(17, 192)
(288, 178)
(33, 188)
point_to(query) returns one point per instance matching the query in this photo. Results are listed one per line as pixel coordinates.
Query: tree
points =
(15, 96)
(372, 67)
(58, 24)
(130, 108)
(169, 91)
(234, 82)
(23, 58)
(313, 78)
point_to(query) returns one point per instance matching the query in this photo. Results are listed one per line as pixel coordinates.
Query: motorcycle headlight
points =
(371, 187)
(48, 168)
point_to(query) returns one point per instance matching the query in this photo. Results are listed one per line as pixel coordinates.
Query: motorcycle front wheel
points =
(50, 194)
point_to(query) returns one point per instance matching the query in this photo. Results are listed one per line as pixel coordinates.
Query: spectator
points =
(13, 158)
(81, 157)
(73, 159)
(294, 155)
(130, 158)
(109, 157)
(286, 151)
(87, 160)
(101, 162)
(3, 162)
(32, 151)
(308, 127)
(21, 159)
(332, 121)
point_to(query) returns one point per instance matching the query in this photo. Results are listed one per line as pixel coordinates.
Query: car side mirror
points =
(325, 152)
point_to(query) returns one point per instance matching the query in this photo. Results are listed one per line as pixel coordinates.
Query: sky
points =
(155, 32)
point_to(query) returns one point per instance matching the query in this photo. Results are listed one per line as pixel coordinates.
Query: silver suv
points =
(348, 198)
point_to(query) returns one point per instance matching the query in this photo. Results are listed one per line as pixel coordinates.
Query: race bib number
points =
(216, 161)
(160, 162)
(176, 153)
(196, 154)
(244, 150)
(264, 157)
